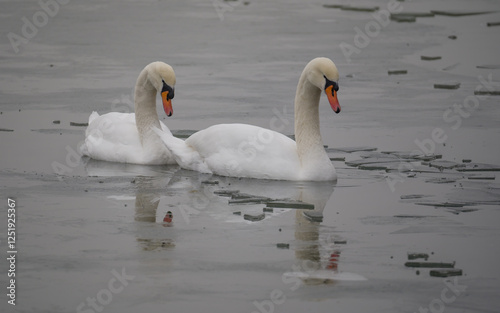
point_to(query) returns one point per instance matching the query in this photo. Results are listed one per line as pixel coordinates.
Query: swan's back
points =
(247, 151)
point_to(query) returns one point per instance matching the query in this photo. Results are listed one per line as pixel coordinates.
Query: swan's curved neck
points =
(145, 105)
(307, 133)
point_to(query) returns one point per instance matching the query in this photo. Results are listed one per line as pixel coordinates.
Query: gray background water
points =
(240, 62)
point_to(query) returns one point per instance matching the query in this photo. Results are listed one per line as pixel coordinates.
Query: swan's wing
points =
(242, 150)
(113, 137)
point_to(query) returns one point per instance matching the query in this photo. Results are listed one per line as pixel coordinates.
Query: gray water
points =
(95, 231)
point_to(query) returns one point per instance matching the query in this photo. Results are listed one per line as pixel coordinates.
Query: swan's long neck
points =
(145, 106)
(307, 134)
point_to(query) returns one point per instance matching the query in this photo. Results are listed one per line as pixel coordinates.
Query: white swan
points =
(127, 137)
(241, 150)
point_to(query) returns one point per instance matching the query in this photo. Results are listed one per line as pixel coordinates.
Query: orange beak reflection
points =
(332, 98)
(167, 103)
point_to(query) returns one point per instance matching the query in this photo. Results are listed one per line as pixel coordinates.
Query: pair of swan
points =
(237, 150)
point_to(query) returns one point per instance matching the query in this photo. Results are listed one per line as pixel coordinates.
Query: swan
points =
(127, 137)
(242, 150)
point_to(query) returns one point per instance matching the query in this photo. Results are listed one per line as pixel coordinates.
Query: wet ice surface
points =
(348, 254)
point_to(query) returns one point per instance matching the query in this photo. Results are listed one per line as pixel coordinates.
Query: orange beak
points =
(332, 98)
(167, 103)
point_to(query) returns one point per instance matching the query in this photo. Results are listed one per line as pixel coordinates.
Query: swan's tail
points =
(93, 116)
(83, 148)
(185, 156)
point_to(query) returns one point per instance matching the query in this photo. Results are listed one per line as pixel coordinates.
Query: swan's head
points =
(162, 76)
(323, 73)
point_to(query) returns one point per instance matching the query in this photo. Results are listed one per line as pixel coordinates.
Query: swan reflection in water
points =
(190, 195)
(146, 189)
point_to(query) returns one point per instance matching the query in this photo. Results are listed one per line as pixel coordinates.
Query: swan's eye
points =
(170, 90)
(329, 83)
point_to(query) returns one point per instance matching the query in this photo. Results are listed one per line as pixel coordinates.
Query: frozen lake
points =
(91, 236)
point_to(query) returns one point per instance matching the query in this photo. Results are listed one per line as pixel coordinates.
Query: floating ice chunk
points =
(254, 217)
(447, 85)
(458, 12)
(351, 149)
(397, 72)
(313, 216)
(479, 167)
(430, 264)
(446, 273)
(430, 57)
(290, 205)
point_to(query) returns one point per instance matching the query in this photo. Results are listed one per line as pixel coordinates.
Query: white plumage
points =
(127, 137)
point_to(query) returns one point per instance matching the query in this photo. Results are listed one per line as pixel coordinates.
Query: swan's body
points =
(241, 150)
(127, 137)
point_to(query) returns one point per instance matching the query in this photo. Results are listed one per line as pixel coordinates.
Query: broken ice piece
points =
(397, 72)
(249, 200)
(415, 255)
(456, 13)
(337, 158)
(446, 273)
(415, 14)
(290, 205)
(374, 154)
(481, 177)
(441, 180)
(400, 167)
(239, 198)
(226, 193)
(243, 196)
(429, 58)
(450, 85)
(313, 216)
(403, 18)
(350, 149)
(444, 164)
(457, 211)
(489, 66)
(479, 167)
(416, 196)
(210, 182)
(430, 264)
(442, 204)
(359, 8)
(487, 92)
(78, 124)
(333, 6)
(254, 217)
(371, 161)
